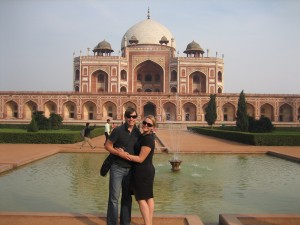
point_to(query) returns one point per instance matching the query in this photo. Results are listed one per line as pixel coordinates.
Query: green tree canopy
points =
(55, 121)
(211, 111)
(33, 126)
(241, 115)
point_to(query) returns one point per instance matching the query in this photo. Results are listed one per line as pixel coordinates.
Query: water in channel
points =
(206, 185)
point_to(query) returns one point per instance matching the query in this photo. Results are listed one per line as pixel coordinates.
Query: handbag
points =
(106, 165)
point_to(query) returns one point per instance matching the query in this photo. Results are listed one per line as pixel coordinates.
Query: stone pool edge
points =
(44, 218)
(245, 219)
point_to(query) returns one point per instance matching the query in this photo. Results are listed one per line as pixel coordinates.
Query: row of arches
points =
(148, 76)
(169, 111)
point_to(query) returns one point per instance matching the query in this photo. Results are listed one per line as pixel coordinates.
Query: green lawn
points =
(8, 130)
(61, 136)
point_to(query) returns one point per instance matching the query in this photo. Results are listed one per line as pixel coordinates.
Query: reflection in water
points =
(206, 185)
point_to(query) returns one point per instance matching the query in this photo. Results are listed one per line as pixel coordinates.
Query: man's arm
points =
(145, 150)
(109, 146)
(92, 128)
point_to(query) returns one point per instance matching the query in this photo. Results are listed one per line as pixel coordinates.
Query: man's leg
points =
(90, 143)
(84, 141)
(126, 200)
(116, 175)
(106, 137)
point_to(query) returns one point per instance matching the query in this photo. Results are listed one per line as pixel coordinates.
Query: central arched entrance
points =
(149, 109)
(149, 77)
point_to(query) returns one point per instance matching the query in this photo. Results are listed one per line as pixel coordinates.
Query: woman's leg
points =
(150, 203)
(144, 208)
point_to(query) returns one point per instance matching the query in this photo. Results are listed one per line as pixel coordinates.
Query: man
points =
(107, 130)
(124, 136)
(86, 136)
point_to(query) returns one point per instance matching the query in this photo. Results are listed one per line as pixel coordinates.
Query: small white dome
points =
(148, 32)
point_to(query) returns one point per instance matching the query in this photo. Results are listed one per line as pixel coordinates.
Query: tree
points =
(33, 127)
(43, 122)
(242, 121)
(263, 125)
(55, 121)
(211, 111)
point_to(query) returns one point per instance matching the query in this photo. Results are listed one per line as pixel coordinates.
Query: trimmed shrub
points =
(33, 126)
(266, 139)
(55, 121)
(263, 125)
(47, 137)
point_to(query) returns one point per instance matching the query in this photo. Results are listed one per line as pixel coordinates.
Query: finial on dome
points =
(148, 16)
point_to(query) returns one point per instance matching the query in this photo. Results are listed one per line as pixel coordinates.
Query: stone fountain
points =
(175, 142)
(175, 164)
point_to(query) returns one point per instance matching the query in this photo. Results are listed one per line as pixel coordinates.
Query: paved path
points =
(191, 142)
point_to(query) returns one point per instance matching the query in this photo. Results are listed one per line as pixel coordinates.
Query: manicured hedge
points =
(46, 137)
(25, 126)
(263, 139)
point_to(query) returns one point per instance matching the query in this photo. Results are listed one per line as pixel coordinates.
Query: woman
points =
(143, 169)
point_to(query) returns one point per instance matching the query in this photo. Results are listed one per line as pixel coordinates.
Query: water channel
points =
(206, 185)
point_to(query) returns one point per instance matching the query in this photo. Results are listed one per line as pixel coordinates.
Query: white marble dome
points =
(148, 31)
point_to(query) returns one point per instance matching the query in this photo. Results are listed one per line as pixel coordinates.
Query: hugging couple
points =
(132, 170)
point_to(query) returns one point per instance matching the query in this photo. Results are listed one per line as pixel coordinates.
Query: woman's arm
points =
(145, 150)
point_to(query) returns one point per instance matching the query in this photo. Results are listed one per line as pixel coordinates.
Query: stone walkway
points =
(14, 155)
(195, 143)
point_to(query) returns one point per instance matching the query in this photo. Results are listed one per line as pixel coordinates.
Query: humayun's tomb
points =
(149, 75)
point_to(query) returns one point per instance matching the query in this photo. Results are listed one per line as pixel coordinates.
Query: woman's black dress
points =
(143, 173)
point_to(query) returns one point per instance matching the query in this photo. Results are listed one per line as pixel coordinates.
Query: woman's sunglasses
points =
(131, 116)
(148, 124)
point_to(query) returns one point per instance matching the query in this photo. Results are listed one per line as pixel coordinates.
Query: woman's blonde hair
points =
(152, 118)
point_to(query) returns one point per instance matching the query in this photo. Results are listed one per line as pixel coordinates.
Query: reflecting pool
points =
(206, 185)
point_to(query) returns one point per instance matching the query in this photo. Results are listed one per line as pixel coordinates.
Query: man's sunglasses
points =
(131, 116)
(148, 124)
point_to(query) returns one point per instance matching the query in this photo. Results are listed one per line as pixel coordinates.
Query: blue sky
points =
(259, 38)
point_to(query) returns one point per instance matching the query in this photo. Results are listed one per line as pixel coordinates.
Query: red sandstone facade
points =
(151, 78)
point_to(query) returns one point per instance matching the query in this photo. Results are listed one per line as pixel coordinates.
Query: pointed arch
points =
(123, 89)
(174, 89)
(29, 108)
(12, 109)
(109, 110)
(49, 107)
(169, 111)
(99, 82)
(123, 75)
(69, 110)
(220, 91)
(220, 77)
(197, 81)
(173, 76)
(267, 110)
(189, 112)
(250, 110)
(149, 109)
(89, 110)
(285, 113)
(229, 112)
(148, 75)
